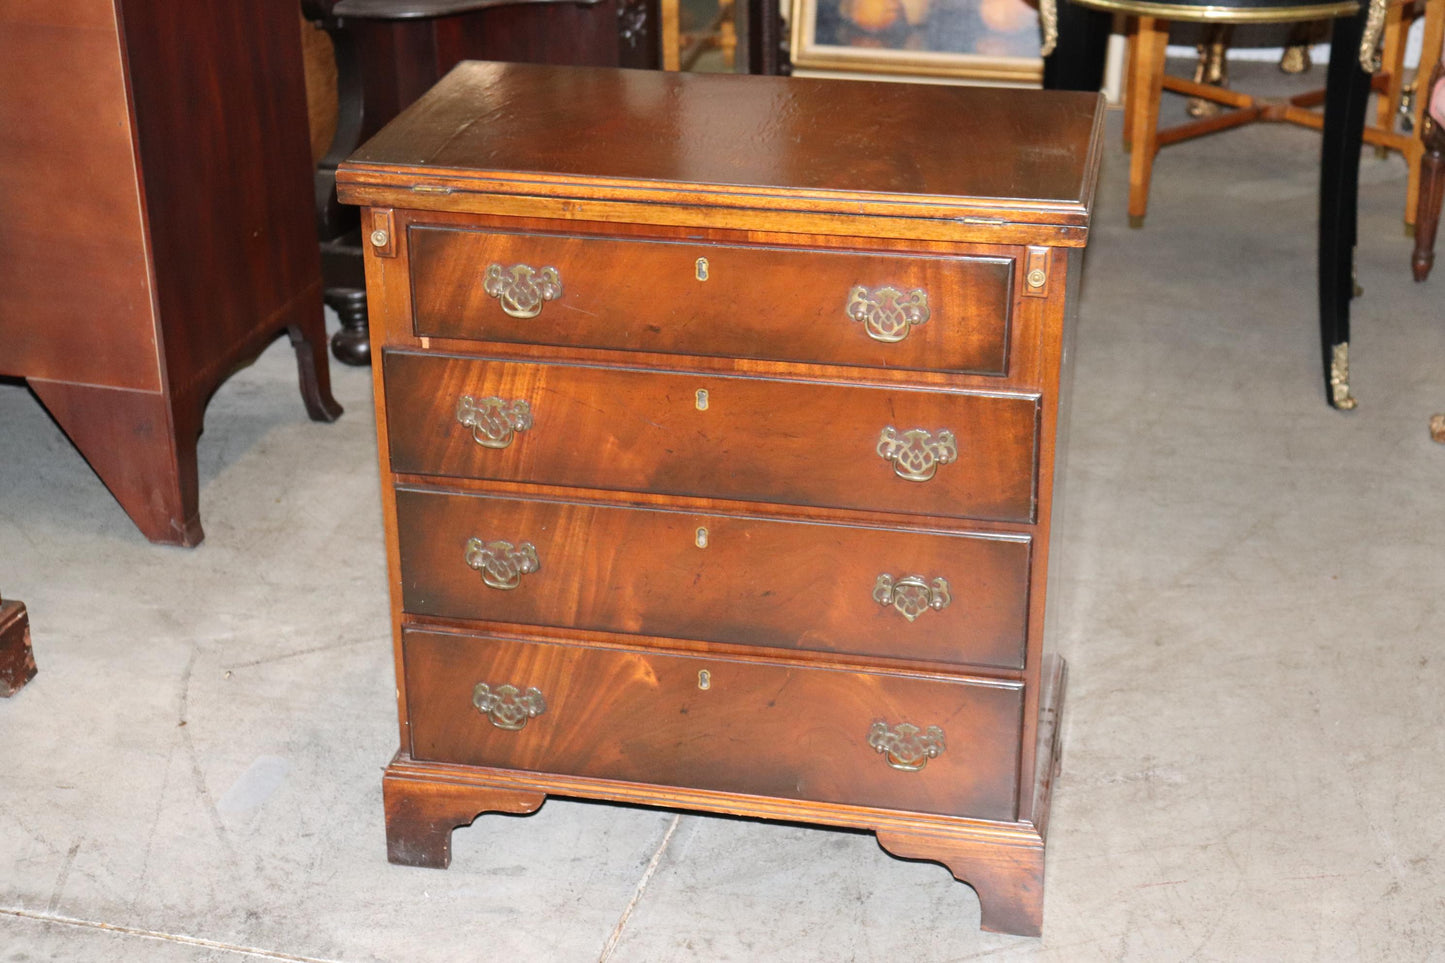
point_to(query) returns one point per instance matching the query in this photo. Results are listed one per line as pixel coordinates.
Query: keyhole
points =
(702, 269)
(704, 679)
(702, 399)
(701, 538)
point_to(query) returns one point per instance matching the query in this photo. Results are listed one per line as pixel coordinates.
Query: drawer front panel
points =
(836, 446)
(826, 588)
(938, 313)
(767, 728)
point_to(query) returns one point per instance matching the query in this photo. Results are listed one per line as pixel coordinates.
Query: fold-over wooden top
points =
(951, 155)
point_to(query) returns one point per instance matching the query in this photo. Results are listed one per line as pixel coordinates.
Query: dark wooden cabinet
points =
(718, 422)
(154, 183)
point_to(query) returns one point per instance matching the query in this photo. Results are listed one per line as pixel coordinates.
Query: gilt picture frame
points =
(993, 41)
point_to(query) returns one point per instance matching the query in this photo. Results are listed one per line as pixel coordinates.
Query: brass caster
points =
(1136, 220)
(1409, 230)
(1437, 428)
(1340, 396)
(1382, 152)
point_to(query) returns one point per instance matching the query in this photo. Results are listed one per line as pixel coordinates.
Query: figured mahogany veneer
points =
(751, 581)
(755, 439)
(768, 728)
(717, 420)
(742, 302)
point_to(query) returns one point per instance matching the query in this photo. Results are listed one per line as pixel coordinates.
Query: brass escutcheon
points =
(916, 454)
(501, 563)
(493, 420)
(887, 313)
(507, 706)
(522, 289)
(911, 596)
(908, 747)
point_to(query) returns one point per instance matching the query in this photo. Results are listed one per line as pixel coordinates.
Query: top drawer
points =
(672, 297)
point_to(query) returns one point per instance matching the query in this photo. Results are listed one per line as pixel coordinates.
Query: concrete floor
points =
(1249, 597)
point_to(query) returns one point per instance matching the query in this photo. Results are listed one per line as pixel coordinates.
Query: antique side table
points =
(718, 420)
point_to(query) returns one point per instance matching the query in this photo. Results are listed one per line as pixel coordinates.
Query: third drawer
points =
(863, 591)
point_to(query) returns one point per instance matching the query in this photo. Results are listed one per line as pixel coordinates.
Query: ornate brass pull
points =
(502, 564)
(908, 747)
(911, 596)
(522, 289)
(507, 706)
(887, 313)
(916, 454)
(493, 420)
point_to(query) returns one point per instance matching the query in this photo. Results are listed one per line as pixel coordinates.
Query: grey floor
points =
(1249, 597)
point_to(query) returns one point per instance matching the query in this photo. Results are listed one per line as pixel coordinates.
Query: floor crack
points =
(616, 936)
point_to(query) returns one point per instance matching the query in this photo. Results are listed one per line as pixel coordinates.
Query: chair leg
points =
(1347, 90)
(1392, 62)
(1146, 81)
(1431, 39)
(1427, 215)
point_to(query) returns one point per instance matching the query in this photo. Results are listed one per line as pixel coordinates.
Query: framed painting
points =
(983, 40)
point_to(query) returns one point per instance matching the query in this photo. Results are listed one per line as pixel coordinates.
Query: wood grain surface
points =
(772, 728)
(770, 303)
(752, 581)
(758, 439)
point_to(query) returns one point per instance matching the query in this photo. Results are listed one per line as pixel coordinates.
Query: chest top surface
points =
(767, 143)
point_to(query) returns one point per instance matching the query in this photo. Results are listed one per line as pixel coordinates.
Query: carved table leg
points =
(17, 661)
(422, 812)
(351, 344)
(312, 369)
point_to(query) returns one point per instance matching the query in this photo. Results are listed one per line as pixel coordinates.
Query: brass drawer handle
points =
(887, 313)
(908, 747)
(911, 596)
(916, 454)
(493, 420)
(502, 564)
(507, 706)
(522, 289)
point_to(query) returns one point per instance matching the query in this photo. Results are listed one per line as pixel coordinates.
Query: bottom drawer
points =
(917, 744)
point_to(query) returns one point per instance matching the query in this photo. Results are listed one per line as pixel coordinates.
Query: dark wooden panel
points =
(752, 581)
(638, 295)
(75, 296)
(771, 728)
(754, 439)
(227, 172)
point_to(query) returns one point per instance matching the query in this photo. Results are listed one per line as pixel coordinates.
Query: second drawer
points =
(927, 452)
(956, 598)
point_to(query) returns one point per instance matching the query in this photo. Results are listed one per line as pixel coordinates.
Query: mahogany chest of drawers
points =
(717, 420)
